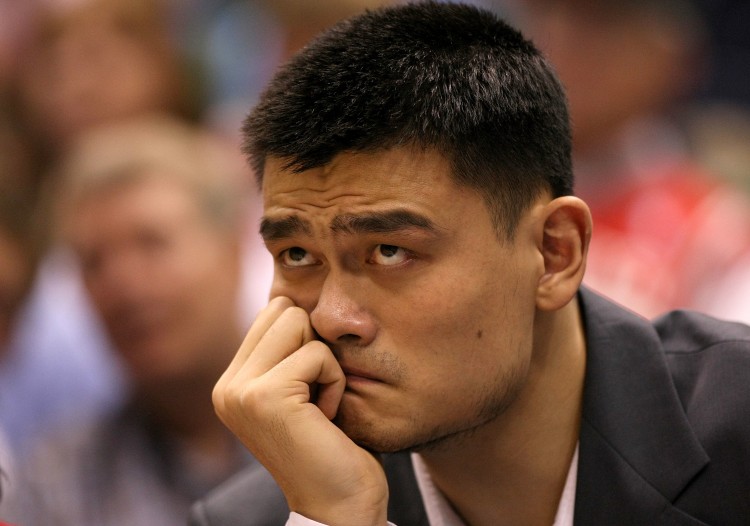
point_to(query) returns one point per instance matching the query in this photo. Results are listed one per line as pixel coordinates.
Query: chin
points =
(379, 435)
(391, 435)
(373, 434)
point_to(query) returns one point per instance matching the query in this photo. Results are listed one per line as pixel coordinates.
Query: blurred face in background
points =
(163, 276)
(98, 63)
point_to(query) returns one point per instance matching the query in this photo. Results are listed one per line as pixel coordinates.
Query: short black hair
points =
(451, 77)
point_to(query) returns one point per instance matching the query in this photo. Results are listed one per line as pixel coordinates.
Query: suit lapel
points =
(637, 450)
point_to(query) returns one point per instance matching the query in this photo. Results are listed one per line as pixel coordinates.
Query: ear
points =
(564, 245)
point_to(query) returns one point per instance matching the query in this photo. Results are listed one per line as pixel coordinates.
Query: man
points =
(155, 212)
(426, 305)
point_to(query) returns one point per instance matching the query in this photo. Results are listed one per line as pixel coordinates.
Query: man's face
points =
(163, 278)
(429, 314)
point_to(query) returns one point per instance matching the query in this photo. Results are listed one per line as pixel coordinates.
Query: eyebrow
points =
(368, 223)
(275, 229)
(380, 222)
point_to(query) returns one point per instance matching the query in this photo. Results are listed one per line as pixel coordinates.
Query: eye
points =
(388, 255)
(297, 257)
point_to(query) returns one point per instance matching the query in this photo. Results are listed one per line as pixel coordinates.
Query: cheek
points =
(431, 334)
(470, 328)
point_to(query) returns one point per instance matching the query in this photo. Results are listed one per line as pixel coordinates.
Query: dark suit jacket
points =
(665, 434)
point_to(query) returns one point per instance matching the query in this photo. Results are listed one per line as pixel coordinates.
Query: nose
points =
(341, 314)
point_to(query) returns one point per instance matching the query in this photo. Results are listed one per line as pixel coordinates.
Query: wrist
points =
(343, 513)
(297, 519)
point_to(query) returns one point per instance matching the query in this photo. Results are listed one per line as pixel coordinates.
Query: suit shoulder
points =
(709, 361)
(250, 498)
(687, 332)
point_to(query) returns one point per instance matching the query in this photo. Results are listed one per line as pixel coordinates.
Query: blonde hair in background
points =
(154, 146)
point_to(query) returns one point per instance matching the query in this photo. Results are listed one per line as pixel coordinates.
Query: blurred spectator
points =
(92, 62)
(79, 65)
(666, 230)
(48, 372)
(155, 211)
(83, 64)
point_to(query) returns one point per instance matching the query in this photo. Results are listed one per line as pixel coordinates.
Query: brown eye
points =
(388, 255)
(296, 257)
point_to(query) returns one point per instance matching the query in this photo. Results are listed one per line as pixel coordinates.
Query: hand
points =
(265, 398)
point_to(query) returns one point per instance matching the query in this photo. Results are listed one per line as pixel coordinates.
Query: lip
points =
(354, 374)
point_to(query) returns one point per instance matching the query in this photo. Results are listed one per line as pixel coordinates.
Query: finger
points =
(290, 331)
(266, 317)
(314, 364)
(263, 321)
(249, 399)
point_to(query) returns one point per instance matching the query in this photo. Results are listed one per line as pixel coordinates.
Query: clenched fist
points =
(279, 396)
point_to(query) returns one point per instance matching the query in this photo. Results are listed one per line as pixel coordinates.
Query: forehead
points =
(398, 177)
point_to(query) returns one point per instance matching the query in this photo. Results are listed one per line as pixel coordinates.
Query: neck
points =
(512, 470)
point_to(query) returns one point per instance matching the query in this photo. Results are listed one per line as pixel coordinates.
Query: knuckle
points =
(248, 398)
(280, 303)
(295, 314)
(317, 347)
(217, 396)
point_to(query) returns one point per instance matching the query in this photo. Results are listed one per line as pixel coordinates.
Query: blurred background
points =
(659, 95)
